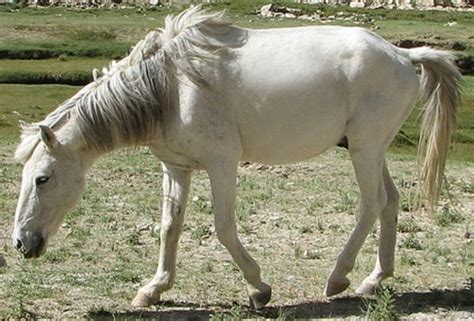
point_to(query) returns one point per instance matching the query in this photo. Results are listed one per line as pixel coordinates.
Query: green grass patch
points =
(63, 70)
(28, 103)
(382, 307)
(463, 145)
(50, 32)
(13, 49)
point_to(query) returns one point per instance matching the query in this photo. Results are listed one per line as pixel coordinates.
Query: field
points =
(293, 219)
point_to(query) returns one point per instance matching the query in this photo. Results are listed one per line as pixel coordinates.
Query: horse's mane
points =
(125, 103)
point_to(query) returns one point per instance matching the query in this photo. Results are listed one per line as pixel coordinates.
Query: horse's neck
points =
(70, 135)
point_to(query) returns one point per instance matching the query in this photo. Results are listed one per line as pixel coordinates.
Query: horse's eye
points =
(41, 180)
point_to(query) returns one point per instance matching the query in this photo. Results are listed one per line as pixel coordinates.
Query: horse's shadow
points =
(405, 303)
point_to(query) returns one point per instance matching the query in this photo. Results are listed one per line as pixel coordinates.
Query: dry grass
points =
(293, 219)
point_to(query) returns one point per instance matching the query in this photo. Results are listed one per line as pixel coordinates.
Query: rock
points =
(357, 5)
(273, 10)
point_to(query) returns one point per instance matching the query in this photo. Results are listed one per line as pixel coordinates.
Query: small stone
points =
(357, 5)
(451, 24)
(157, 229)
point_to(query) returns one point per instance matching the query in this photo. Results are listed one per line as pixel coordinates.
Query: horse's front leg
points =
(176, 183)
(223, 175)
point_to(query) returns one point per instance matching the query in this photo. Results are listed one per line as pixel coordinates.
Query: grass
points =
(54, 31)
(106, 249)
(28, 103)
(293, 219)
(463, 147)
(382, 308)
(63, 70)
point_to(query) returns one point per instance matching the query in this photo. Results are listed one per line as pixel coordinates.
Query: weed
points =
(335, 227)
(382, 308)
(400, 279)
(245, 228)
(202, 205)
(346, 202)
(312, 206)
(408, 260)
(19, 312)
(208, 266)
(219, 316)
(286, 314)
(411, 242)
(91, 35)
(200, 232)
(297, 251)
(305, 230)
(467, 187)
(409, 200)
(448, 216)
(319, 225)
(133, 238)
(408, 226)
(233, 314)
(440, 252)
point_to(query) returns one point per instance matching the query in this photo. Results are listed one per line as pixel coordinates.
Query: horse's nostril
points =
(19, 245)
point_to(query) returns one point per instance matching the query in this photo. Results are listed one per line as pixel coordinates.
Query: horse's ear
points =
(22, 124)
(48, 137)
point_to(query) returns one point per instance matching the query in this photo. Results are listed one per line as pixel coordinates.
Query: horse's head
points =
(53, 181)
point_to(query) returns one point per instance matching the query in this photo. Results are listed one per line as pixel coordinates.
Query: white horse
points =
(203, 94)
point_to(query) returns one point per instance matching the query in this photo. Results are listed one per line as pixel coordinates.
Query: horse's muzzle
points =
(31, 247)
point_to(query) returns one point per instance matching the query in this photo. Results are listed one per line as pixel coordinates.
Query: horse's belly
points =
(291, 100)
(286, 133)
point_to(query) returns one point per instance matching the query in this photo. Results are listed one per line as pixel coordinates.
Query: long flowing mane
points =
(124, 104)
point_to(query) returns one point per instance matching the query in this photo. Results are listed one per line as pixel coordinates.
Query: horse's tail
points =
(440, 87)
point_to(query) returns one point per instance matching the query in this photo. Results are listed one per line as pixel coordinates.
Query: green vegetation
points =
(63, 70)
(293, 219)
(382, 308)
(28, 103)
(79, 40)
(463, 142)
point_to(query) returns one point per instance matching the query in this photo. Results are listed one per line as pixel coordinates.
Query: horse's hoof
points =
(142, 301)
(259, 297)
(333, 288)
(367, 288)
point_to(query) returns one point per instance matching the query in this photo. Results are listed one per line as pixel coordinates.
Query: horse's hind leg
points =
(176, 183)
(223, 175)
(388, 234)
(368, 164)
